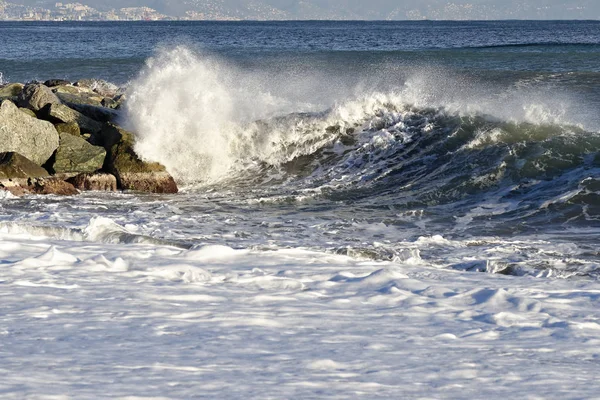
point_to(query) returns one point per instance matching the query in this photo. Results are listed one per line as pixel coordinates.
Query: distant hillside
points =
(356, 9)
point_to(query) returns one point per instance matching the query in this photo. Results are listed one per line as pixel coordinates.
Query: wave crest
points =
(208, 121)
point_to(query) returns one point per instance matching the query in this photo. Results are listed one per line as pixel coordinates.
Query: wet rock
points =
(131, 172)
(53, 186)
(97, 113)
(94, 181)
(109, 102)
(68, 127)
(28, 136)
(11, 90)
(72, 99)
(151, 182)
(56, 82)
(99, 86)
(14, 188)
(75, 154)
(60, 113)
(13, 165)
(35, 97)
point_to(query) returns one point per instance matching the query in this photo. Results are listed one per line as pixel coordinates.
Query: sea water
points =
(367, 209)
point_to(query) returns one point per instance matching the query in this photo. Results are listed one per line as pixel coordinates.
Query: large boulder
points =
(13, 165)
(34, 139)
(60, 113)
(75, 154)
(131, 172)
(35, 96)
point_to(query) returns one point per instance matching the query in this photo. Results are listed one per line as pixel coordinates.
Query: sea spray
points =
(207, 120)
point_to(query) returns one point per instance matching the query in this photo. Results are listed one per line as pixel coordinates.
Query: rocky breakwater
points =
(61, 137)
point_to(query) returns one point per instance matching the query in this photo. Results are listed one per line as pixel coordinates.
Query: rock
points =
(101, 87)
(28, 112)
(75, 154)
(71, 99)
(14, 188)
(35, 96)
(56, 82)
(131, 172)
(10, 90)
(53, 186)
(30, 137)
(62, 113)
(110, 135)
(151, 182)
(97, 113)
(70, 89)
(14, 165)
(68, 127)
(91, 181)
(120, 99)
(109, 102)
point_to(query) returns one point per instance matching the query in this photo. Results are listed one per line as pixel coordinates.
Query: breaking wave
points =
(423, 139)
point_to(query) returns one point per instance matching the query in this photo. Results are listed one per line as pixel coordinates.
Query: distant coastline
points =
(212, 10)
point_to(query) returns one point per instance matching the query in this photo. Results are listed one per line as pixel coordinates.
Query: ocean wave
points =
(585, 45)
(430, 140)
(98, 230)
(206, 120)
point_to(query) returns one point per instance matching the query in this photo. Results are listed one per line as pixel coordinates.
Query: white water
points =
(96, 304)
(88, 320)
(197, 115)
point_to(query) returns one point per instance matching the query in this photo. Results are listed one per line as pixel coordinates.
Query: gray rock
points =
(28, 112)
(60, 113)
(97, 113)
(69, 99)
(33, 138)
(13, 165)
(70, 89)
(74, 154)
(35, 96)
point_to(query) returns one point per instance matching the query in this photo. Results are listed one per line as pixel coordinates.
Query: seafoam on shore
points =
(90, 320)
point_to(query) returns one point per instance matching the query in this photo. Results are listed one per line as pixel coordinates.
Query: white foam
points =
(294, 322)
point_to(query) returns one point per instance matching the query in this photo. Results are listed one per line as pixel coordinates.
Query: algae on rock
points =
(75, 154)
